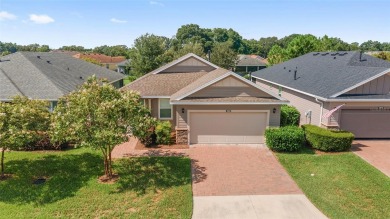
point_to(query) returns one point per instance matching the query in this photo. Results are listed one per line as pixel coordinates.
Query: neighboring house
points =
(207, 104)
(108, 62)
(47, 76)
(319, 82)
(250, 63)
(124, 67)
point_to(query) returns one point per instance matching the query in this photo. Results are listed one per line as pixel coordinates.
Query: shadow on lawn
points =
(66, 175)
(141, 174)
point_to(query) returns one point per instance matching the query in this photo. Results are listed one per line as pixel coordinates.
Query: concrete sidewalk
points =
(254, 206)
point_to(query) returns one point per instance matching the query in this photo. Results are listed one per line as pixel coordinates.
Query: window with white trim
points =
(165, 109)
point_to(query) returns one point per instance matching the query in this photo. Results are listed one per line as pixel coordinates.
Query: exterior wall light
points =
(182, 110)
(274, 110)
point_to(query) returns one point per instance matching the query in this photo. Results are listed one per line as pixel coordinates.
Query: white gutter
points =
(321, 111)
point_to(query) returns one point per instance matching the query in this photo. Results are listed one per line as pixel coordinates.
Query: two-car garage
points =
(366, 123)
(228, 127)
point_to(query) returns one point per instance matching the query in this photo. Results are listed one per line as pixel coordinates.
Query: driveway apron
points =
(244, 181)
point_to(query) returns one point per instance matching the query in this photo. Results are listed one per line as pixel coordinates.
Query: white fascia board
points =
(230, 103)
(361, 83)
(182, 59)
(293, 89)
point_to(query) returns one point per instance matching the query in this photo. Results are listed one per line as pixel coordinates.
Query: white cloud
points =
(156, 3)
(114, 20)
(41, 18)
(6, 16)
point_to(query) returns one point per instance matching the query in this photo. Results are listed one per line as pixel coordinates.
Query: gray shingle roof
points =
(46, 76)
(324, 74)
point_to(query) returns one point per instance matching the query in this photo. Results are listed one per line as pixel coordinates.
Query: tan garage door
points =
(366, 123)
(227, 127)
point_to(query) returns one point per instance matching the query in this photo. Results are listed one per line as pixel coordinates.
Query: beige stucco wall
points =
(302, 102)
(182, 118)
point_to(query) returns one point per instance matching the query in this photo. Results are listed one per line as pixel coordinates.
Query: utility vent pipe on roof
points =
(38, 57)
(360, 56)
(48, 61)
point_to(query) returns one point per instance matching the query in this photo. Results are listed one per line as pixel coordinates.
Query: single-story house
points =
(47, 76)
(250, 63)
(110, 62)
(348, 90)
(207, 104)
(124, 67)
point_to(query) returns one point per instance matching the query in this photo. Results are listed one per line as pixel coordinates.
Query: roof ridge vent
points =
(315, 54)
(324, 54)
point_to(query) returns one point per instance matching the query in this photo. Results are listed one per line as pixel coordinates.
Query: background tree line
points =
(150, 51)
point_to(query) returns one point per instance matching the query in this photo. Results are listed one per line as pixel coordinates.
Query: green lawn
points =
(343, 185)
(148, 187)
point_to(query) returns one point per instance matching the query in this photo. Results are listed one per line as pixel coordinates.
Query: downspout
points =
(321, 111)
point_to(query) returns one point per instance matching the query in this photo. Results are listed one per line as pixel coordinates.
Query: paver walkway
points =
(244, 182)
(375, 152)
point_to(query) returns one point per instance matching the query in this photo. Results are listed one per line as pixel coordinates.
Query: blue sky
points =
(91, 23)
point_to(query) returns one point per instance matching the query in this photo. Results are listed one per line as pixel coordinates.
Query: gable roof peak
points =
(181, 59)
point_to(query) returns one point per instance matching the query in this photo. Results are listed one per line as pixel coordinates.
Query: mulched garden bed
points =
(140, 146)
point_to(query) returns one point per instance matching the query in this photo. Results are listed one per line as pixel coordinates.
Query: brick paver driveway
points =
(375, 152)
(238, 170)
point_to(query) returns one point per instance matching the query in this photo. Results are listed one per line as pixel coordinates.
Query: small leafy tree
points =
(97, 116)
(21, 123)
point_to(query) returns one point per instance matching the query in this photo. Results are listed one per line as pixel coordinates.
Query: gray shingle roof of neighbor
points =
(251, 60)
(46, 76)
(325, 74)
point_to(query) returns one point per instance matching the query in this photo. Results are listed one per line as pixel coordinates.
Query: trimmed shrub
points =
(143, 128)
(163, 132)
(288, 138)
(328, 140)
(289, 116)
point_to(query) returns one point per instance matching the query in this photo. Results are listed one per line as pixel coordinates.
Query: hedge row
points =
(328, 140)
(288, 138)
(289, 116)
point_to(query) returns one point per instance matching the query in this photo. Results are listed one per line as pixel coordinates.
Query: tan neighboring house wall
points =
(334, 120)
(302, 102)
(379, 85)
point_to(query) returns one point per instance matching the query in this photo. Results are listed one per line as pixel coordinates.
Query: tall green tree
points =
(21, 123)
(147, 53)
(277, 55)
(301, 45)
(266, 44)
(223, 55)
(97, 116)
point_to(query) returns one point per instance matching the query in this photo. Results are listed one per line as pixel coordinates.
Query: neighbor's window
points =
(165, 109)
